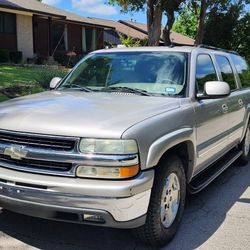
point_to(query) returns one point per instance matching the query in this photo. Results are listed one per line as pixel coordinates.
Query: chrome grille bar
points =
(38, 141)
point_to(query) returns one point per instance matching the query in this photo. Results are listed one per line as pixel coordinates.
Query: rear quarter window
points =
(242, 70)
(226, 71)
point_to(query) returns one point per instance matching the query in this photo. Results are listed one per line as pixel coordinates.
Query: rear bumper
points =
(121, 206)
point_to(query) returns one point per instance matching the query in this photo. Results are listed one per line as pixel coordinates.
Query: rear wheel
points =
(245, 147)
(166, 204)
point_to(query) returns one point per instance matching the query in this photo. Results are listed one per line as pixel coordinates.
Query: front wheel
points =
(166, 205)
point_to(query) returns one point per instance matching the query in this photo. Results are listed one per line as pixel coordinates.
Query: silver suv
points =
(124, 136)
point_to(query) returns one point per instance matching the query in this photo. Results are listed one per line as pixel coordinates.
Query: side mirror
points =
(54, 82)
(214, 90)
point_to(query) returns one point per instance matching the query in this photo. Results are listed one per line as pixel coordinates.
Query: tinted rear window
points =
(243, 70)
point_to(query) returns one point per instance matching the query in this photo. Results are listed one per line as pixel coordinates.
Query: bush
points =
(16, 56)
(61, 58)
(45, 75)
(40, 59)
(4, 55)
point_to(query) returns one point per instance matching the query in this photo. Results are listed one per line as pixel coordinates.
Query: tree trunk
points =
(168, 28)
(200, 32)
(154, 18)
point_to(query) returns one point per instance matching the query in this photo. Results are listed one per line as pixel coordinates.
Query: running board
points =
(203, 179)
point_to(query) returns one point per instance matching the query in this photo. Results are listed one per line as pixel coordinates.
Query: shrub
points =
(16, 56)
(61, 58)
(45, 75)
(4, 55)
(40, 59)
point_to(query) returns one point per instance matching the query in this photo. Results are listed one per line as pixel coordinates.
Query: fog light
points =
(93, 218)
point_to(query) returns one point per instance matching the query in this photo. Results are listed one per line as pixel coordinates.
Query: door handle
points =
(224, 108)
(240, 103)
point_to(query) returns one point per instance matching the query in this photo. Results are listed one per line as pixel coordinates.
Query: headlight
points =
(108, 146)
(107, 172)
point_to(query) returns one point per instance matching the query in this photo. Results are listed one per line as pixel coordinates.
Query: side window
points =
(243, 70)
(7, 23)
(226, 71)
(205, 71)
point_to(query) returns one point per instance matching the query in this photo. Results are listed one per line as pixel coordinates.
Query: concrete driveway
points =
(216, 218)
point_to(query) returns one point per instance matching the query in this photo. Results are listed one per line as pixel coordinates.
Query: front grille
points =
(37, 141)
(35, 165)
(41, 153)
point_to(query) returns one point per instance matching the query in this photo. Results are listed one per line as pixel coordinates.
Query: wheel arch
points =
(247, 121)
(181, 143)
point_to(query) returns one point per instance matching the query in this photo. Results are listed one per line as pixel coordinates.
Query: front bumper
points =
(121, 204)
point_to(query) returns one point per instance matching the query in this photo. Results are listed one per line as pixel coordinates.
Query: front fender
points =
(166, 142)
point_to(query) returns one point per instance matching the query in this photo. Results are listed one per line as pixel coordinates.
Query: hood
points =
(81, 114)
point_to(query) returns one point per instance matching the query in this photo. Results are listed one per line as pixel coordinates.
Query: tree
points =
(170, 8)
(227, 25)
(200, 32)
(241, 37)
(154, 15)
(156, 9)
(187, 22)
(154, 19)
(220, 26)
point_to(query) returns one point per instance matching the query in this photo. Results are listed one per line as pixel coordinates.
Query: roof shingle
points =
(38, 7)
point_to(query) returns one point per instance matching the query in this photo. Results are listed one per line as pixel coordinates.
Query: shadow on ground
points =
(204, 214)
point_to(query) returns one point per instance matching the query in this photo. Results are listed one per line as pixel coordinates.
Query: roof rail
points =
(215, 48)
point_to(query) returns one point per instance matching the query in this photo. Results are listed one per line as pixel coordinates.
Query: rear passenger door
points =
(235, 102)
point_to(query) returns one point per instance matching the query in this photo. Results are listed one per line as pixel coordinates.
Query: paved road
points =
(217, 218)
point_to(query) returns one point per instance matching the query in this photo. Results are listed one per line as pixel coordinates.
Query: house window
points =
(58, 36)
(90, 39)
(7, 23)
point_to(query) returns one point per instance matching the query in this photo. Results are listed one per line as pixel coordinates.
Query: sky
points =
(96, 8)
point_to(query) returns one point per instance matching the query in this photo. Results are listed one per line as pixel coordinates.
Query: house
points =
(39, 29)
(137, 31)
(112, 36)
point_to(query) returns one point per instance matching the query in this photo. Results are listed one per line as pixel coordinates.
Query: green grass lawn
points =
(10, 76)
(35, 78)
(16, 76)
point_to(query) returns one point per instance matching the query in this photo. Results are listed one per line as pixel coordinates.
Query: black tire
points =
(244, 146)
(154, 232)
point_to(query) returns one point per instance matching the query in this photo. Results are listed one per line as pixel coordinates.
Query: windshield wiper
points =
(170, 95)
(128, 90)
(77, 87)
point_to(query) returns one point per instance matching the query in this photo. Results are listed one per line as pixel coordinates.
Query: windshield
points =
(163, 73)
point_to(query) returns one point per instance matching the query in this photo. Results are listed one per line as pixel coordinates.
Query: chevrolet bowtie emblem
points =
(16, 153)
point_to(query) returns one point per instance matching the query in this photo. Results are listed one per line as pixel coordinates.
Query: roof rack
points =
(215, 48)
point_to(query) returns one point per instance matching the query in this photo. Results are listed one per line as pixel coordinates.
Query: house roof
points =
(44, 9)
(175, 37)
(124, 29)
(128, 28)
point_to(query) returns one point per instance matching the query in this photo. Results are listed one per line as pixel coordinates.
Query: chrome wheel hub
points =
(170, 200)
(247, 142)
